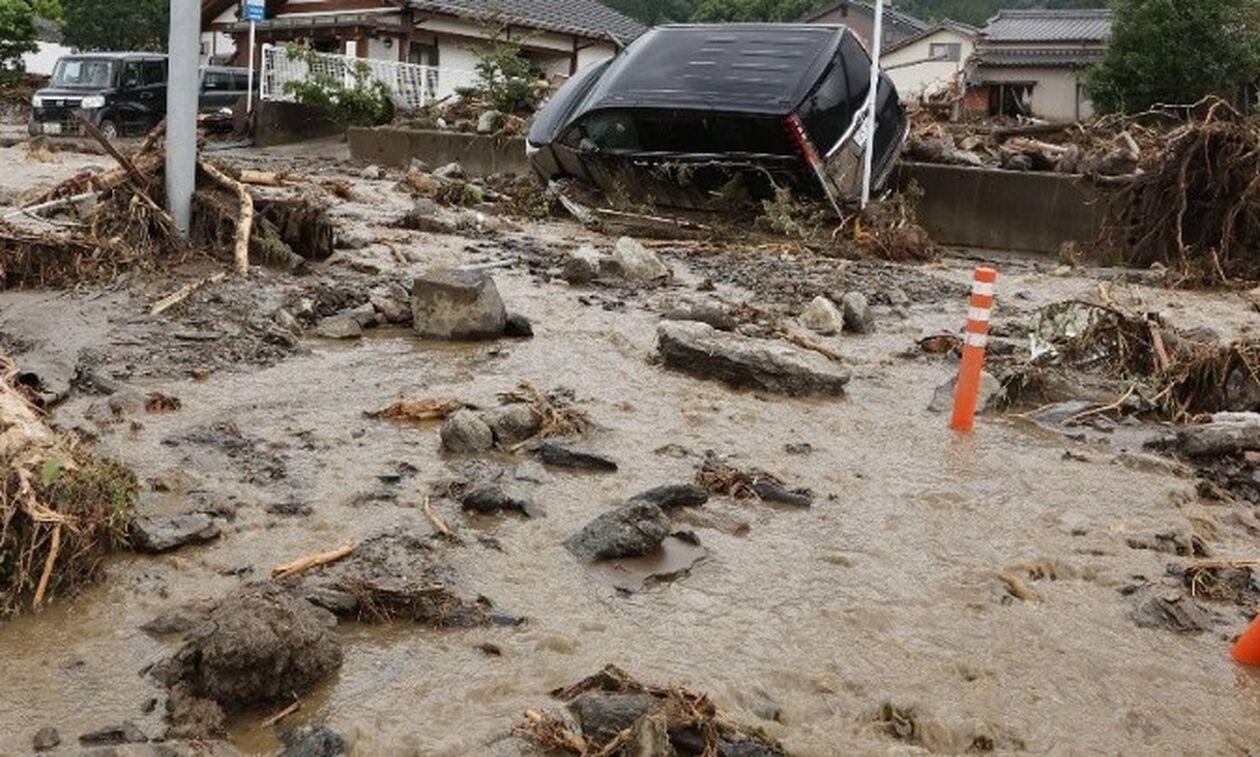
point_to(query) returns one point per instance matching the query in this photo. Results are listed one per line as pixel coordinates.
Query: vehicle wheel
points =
(109, 129)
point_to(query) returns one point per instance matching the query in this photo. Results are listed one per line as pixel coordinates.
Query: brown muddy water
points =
(887, 590)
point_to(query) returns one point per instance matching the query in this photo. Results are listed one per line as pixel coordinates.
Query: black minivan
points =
(121, 93)
(689, 114)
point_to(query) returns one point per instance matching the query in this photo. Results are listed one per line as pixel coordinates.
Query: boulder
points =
(312, 741)
(632, 530)
(489, 122)
(464, 432)
(491, 500)
(340, 326)
(391, 303)
(165, 534)
(125, 733)
(563, 456)
(45, 738)
(822, 316)
(717, 316)
(518, 326)
(858, 317)
(1227, 433)
(512, 424)
(741, 361)
(990, 394)
(449, 304)
(674, 495)
(581, 266)
(604, 715)
(634, 262)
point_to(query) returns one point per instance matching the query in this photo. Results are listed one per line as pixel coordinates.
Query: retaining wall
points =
(282, 123)
(1003, 210)
(480, 155)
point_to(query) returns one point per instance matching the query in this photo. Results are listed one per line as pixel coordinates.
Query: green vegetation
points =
(363, 101)
(17, 37)
(1177, 52)
(117, 25)
(505, 80)
(970, 11)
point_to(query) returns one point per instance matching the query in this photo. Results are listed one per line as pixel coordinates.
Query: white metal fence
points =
(411, 86)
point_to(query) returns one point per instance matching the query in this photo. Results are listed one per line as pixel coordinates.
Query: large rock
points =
(512, 424)
(604, 715)
(165, 534)
(741, 361)
(858, 317)
(1228, 432)
(632, 530)
(631, 260)
(312, 741)
(581, 266)
(989, 397)
(259, 646)
(822, 316)
(464, 432)
(673, 495)
(448, 304)
(717, 316)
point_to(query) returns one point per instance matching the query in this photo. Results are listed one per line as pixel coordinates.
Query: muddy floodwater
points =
(893, 589)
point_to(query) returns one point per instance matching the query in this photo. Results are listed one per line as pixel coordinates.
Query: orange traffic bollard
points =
(1247, 649)
(967, 390)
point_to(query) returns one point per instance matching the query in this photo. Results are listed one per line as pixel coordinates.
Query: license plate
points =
(53, 128)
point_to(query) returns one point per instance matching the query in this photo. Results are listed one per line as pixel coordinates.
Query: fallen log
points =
(181, 294)
(246, 221)
(303, 564)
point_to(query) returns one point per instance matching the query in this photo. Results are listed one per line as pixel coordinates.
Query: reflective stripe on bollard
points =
(975, 340)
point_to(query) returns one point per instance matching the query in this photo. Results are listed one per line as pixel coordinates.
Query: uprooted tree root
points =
(718, 477)
(888, 229)
(61, 509)
(556, 416)
(689, 720)
(1195, 206)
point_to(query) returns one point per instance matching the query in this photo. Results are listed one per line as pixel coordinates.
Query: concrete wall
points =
(1055, 94)
(1003, 210)
(479, 155)
(923, 75)
(281, 123)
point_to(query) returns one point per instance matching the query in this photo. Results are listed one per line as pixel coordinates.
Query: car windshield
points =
(679, 131)
(83, 73)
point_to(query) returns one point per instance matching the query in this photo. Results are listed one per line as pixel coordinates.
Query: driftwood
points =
(303, 564)
(181, 294)
(796, 335)
(245, 224)
(262, 178)
(439, 525)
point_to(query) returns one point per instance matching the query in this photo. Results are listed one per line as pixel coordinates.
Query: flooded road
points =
(892, 590)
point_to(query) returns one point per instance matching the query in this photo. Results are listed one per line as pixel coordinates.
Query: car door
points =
(130, 86)
(152, 95)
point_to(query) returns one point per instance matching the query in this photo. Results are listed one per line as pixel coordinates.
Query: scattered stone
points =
(491, 500)
(258, 646)
(673, 495)
(602, 716)
(990, 394)
(518, 326)
(364, 315)
(858, 317)
(391, 303)
(371, 173)
(581, 266)
(632, 261)
(822, 316)
(353, 240)
(312, 741)
(769, 491)
(164, 534)
(716, 316)
(448, 304)
(898, 298)
(1051, 415)
(512, 424)
(741, 361)
(489, 122)
(1227, 433)
(450, 171)
(561, 456)
(1172, 613)
(45, 739)
(124, 733)
(632, 530)
(339, 326)
(464, 432)
(418, 166)
(289, 508)
(191, 716)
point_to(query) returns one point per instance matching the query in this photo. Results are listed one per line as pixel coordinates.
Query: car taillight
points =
(804, 147)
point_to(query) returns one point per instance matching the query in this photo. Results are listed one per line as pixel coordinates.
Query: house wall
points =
(216, 44)
(862, 21)
(922, 76)
(1055, 94)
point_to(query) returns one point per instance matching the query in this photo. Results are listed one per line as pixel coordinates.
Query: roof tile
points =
(1049, 26)
(586, 18)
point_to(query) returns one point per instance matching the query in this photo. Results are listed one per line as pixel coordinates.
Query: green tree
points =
(49, 9)
(17, 36)
(117, 25)
(709, 11)
(1177, 52)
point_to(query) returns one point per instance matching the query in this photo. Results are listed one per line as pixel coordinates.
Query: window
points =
(154, 72)
(216, 81)
(131, 77)
(945, 51)
(83, 72)
(678, 131)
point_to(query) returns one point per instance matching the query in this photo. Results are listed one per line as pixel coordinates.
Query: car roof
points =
(115, 56)
(748, 68)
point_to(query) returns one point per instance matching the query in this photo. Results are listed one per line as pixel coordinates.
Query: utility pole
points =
(183, 50)
(872, 102)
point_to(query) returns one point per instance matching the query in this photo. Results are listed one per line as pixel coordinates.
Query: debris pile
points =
(618, 715)
(61, 508)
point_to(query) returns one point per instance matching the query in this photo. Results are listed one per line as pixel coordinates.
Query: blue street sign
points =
(255, 11)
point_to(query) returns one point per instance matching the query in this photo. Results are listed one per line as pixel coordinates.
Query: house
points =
(1033, 63)
(557, 36)
(49, 49)
(860, 17)
(930, 61)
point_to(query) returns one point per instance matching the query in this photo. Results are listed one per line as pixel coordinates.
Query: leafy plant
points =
(17, 37)
(119, 25)
(505, 80)
(354, 98)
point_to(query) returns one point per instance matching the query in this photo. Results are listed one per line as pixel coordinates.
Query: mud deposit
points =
(952, 593)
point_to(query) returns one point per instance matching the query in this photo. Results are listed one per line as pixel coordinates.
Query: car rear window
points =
(829, 110)
(679, 131)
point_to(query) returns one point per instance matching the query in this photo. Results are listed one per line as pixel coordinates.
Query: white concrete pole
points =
(249, 96)
(877, 47)
(181, 110)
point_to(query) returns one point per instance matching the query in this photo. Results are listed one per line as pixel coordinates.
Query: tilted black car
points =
(691, 114)
(120, 93)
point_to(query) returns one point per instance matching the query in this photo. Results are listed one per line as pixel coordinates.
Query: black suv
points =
(121, 93)
(691, 114)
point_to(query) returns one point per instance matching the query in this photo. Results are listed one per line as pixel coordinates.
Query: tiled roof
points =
(1069, 58)
(585, 18)
(1049, 26)
(904, 21)
(958, 27)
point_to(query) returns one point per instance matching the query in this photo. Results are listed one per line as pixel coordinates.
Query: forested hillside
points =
(971, 11)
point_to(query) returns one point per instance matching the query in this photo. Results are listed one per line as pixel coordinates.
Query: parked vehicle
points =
(120, 93)
(689, 115)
